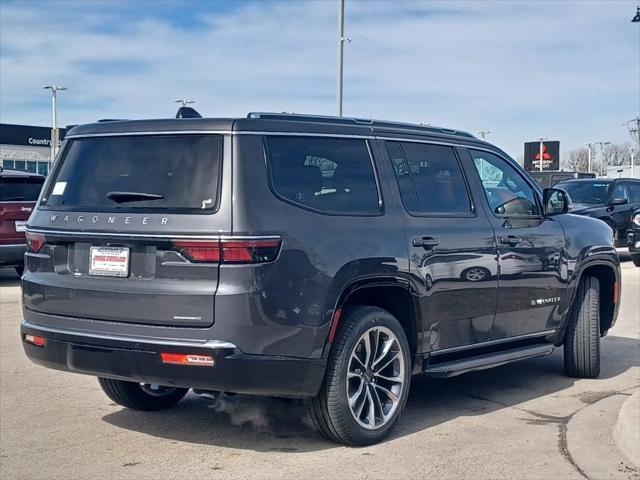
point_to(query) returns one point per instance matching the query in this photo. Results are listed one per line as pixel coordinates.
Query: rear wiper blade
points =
(122, 197)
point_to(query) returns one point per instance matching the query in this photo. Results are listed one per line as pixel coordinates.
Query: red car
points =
(18, 194)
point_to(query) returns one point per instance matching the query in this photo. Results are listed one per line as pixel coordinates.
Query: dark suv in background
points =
(611, 200)
(328, 259)
(18, 194)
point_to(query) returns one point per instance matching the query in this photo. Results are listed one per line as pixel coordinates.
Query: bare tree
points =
(577, 160)
(616, 154)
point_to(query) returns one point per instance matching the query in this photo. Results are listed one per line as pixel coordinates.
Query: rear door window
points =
(429, 178)
(333, 175)
(139, 173)
(20, 189)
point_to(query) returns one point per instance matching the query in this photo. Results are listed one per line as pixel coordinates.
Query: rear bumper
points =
(138, 360)
(13, 254)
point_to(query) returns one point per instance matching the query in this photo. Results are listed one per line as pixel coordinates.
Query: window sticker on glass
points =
(58, 188)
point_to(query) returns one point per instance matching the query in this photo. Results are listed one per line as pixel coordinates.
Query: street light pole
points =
(54, 121)
(603, 166)
(589, 157)
(341, 40)
(542, 139)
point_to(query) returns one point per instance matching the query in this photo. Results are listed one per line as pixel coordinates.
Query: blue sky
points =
(565, 70)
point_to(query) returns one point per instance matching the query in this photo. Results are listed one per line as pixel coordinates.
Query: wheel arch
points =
(609, 277)
(393, 294)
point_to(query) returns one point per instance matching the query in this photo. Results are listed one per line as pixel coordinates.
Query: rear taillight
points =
(230, 250)
(35, 241)
(199, 251)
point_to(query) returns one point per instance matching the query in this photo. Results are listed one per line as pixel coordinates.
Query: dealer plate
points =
(109, 261)
(21, 226)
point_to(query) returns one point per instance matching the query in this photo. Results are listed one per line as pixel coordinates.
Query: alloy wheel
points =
(375, 378)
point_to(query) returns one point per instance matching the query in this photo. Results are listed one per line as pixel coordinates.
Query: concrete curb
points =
(627, 430)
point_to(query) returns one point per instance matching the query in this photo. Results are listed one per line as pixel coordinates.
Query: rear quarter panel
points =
(285, 308)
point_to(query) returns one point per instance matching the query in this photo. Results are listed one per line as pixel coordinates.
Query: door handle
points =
(511, 240)
(425, 242)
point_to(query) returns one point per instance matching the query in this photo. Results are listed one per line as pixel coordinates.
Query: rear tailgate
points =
(18, 194)
(13, 221)
(108, 238)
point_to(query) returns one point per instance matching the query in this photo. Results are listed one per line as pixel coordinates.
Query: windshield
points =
(586, 192)
(20, 189)
(155, 172)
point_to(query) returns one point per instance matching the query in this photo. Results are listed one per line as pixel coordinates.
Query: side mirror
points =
(618, 201)
(555, 201)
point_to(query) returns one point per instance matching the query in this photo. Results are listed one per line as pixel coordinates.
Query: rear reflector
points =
(187, 359)
(34, 340)
(241, 250)
(35, 241)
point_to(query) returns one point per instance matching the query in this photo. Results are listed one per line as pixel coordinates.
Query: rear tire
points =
(363, 394)
(582, 338)
(137, 397)
(636, 260)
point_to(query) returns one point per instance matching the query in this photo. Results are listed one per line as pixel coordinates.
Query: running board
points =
(481, 362)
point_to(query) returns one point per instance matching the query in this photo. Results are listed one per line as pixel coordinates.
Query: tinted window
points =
(328, 174)
(620, 191)
(20, 189)
(593, 192)
(506, 190)
(634, 191)
(429, 178)
(176, 172)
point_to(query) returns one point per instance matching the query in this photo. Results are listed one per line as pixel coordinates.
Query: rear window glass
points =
(159, 172)
(328, 174)
(20, 189)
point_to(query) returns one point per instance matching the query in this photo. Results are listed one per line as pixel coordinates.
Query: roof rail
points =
(357, 121)
(103, 120)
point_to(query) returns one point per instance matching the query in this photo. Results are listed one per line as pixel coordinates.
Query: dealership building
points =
(26, 148)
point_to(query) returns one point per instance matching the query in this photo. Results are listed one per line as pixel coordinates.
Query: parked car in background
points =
(320, 258)
(610, 200)
(548, 179)
(18, 194)
(633, 237)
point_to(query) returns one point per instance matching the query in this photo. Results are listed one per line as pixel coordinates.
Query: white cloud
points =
(567, 70)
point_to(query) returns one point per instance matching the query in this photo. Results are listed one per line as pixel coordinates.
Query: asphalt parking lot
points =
(525, 420)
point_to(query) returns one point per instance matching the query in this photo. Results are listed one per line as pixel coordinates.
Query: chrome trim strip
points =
(171, 236)
(139, 133)
(213, 344)
(13, 245)
(115, 234)
(492, 342)
(218, 132)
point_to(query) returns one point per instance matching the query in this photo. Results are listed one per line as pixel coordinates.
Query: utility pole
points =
(604, 163)
(341, 40)
(589, 157)
(55, 136)
(542, 139)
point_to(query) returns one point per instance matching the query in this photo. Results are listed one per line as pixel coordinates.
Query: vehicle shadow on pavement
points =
(274, 425)
(9, 278)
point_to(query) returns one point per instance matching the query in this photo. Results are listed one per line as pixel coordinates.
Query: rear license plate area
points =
(109, 261)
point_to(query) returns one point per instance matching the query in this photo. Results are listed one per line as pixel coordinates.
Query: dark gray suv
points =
(327, 259)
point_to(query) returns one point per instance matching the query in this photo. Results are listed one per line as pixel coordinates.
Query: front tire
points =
(149, 398)
(367, 379)
(582, 338)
